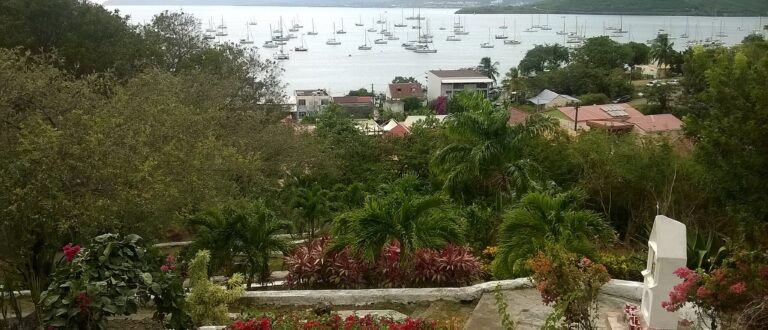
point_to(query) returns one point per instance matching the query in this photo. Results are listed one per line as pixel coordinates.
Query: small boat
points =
(392, 37)
(408, 46)
(342, 28)
(252, 22)
(365, 46)
(424, 49)
(502, 36)
(247, 40)
(504, 26)
(380, 42)
(332, 40)
(487, 44)
(294, 27)
(442, 28)
(221, 30)
(381, 20)
(281, 55)
(269, 44)
(313, 32)
(511, 42)
(402, 21)
(721, 34)
(546, 27)
(209, 36)
(360, 23)
(301, 48)
(453, 38)
(461, 30)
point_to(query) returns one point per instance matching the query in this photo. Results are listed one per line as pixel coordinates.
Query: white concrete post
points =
(666, 253)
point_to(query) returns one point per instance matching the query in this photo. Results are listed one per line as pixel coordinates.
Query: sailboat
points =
(222, 29)
(301, 48)
(373, 26)
(280, 37)
(621, 26)
(504, 26)
(210, 28)
(412, 17)
(360, 23)
(332, 40)
(487, 44)
(313, 32)
(502, 36)
(381, 20)
(365, 46)
(402, 20)
(391, 36)
(721, 34)
(423, 46)
(546, 27)
(452, 37)
(563, 32)
(270, 43)
(247, 40)
(294, 26)
(685, 35)
(514, 40)
(533, 27)
(342, 28)
(252, 22)
(461, 30)
(281, 55)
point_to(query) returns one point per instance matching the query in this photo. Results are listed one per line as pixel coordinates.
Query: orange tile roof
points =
(595, 112)
(353, 100)
(657, 123)
(403, 90)
(517, 116)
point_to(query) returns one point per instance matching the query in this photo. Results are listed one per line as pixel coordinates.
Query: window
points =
(324, 102)
(302, 102)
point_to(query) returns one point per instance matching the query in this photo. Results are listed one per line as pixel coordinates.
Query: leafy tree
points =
(402, 213)
(483, 156)
(411, 104)
(314, 207)
(730, 133)
(662, 50)
(360, 92)
(400, 80)
(544, 57)
(209, 302)
(639, 53)
(659, 98)
(603, 53)
(541, 219)
(488, 68)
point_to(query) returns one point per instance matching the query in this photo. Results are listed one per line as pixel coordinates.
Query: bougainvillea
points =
(571, 285)
(70, 251)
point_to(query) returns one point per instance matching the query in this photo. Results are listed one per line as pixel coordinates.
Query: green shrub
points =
(112, 276)
(595, 98)
(623, 266)
(208, 302)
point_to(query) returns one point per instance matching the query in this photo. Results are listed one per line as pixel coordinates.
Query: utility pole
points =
(576, 122)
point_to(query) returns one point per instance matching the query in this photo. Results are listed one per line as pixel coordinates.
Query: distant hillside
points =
(308, 3)
(633, 7)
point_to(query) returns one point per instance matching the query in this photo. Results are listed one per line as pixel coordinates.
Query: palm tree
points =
(543, 218)
(414, 220)
(240, 228)
(662, 50)
(258, 239)
(313, 204)
(489, 68)
(486, 157)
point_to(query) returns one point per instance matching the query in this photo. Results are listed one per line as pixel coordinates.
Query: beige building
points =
(449, 82)
(309, 102)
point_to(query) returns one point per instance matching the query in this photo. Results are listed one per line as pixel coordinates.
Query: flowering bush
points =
(112, 276)
(719, 295)
(334, 322)
(570, 285)
(315, 265)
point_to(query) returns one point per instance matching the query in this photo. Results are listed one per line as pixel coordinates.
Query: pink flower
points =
(703, 293)
(682, 272)
(585, 262)
(170, 259)
(83, 302)
(70, 251)
(738, 288)
(164, 268)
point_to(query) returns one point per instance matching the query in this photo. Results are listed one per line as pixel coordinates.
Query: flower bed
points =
(334, 322)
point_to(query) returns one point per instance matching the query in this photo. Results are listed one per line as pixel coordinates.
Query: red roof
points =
(611, 125)
(403, 90)
(596, 112)
(353, 100)
(517, 116)
(657, 123)
(399, 130)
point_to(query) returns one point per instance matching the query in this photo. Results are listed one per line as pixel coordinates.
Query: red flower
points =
(738, 288)
(164, 268)
(70, 251)
(170, 259)
(585, 262)
(83, 301)
(703, 293)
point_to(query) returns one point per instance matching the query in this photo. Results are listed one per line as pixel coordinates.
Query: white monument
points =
(666, 253)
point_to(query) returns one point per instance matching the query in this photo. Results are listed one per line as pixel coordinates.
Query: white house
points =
(310, 101)
(550, 99)
(449, 82)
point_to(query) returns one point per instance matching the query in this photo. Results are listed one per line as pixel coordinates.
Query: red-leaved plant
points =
(315, 265)
(335, 322)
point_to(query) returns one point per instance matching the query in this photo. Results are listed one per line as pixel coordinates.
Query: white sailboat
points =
(247, 40)
(365, 46)
(342, 28)
(281, 55)
(402, 20)
(504, 26)
(373, 26)
(563, 32)
(211, 28)
(221, 30)
(533, 28)
(332, 40)
(360, 23)
(461, 30)
(313, 32)
(301, 48)
(514, 40)
(423, 46)
(546, 27)
(487, 44)
(685, 35)
(502, 36)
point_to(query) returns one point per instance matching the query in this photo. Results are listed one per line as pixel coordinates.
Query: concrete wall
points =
(433, 86)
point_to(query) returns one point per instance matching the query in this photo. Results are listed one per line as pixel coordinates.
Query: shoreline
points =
(527, 10)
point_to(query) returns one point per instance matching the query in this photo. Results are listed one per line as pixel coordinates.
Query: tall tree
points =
(662, 51)
(544, 57)
(489, 68)
(540, 219)
(484, 156)
(314, 206)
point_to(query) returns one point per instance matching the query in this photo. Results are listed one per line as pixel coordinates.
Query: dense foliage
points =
(336, 322)
(208, 302)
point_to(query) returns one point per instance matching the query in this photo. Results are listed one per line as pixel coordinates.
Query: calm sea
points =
(344, 67)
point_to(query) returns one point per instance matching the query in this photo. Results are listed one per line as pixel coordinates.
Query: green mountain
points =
(633, 7)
